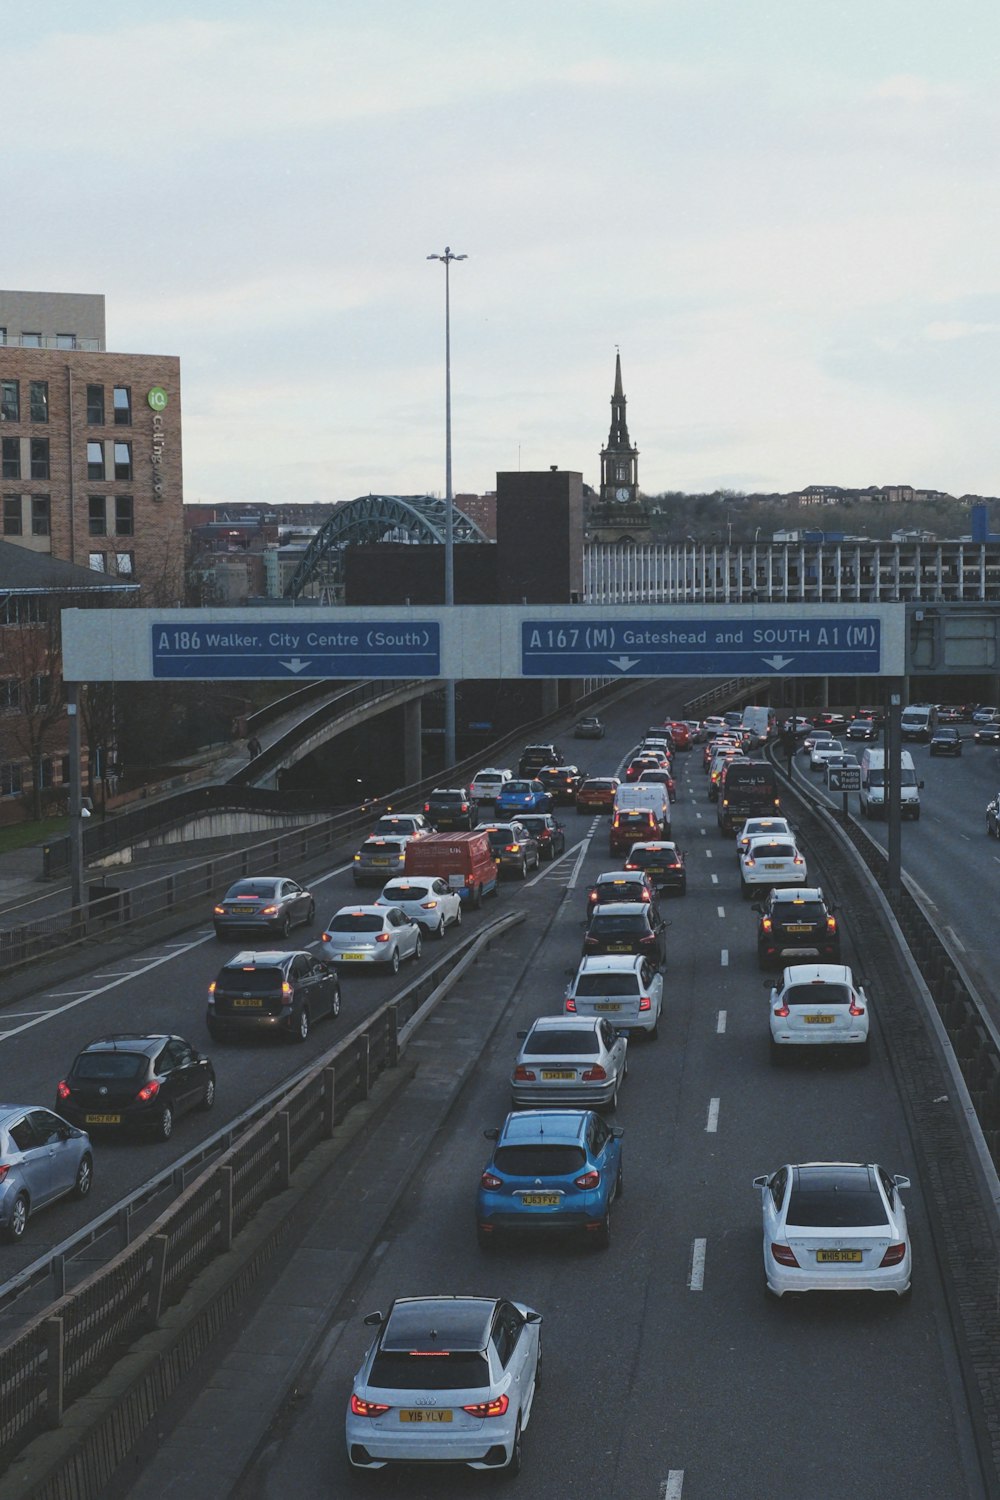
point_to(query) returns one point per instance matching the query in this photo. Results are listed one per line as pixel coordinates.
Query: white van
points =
(760, 721)
(873, 784)
(918, 721)
(651, 794)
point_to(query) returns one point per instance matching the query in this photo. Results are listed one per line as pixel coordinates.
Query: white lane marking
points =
(721, 910)
(62, 994)
(15, 1015)
(672, 1487)
(85, 995)
(698, 816)
(708, 854)
(725, 958)
(964, 835)
(578, 862)
(712, 1124)
(696, 1276)
(715, 878)
(564, 855)
(117, 973)
(720, 1024)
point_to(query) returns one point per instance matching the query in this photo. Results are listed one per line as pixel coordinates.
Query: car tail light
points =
(465, 807)
(644, 942)
(211, 988)
(286, 989)
(781, 1010)
(524, 1075)
(615, 822)
(512, 848)
(645, 896)
(596, 1074)
(893, 1255)
(854, 1008)
(269, 911)
(765, 924)
(495, 1408)
(630, 866)
(645, 1002)
(361, 1408)
(798, 860)
(488, 1180)
(325, 938)
(428, 905)
(427, 807)
(784, 1255)
(831, 924)
(749, 861)
(63, 1089)
(149, 1092)
(590, 942)
(725, 801)
(383, 937)
(589, 1179)
(571, 1007)
(219, 911)
(357, 856)
(3, 1172)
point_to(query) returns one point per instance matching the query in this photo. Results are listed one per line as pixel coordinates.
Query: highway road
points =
(668, 1371)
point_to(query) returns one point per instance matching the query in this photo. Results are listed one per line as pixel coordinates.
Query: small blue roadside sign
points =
(678, 647)
(289, 648)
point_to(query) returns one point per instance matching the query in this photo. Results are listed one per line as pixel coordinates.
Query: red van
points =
(464, 860)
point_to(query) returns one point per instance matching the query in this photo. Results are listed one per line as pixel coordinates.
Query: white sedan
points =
(818, 1005)
(767, 862)
(448, 1380)
(367, 935)
(488, 783)
(758, 828)
(822, 751)
(427, 901)
(832, 1226)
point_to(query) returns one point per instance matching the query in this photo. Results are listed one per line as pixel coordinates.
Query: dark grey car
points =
(273, 903)
(42, 1158)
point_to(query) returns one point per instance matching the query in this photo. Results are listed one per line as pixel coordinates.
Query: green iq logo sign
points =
(157, 398)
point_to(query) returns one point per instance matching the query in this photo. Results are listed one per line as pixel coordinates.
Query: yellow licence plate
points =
(836, 1257)
(424, 1416)
(380, 861)
(608, 1005)
(540, 1200)
(618, 947)
(352, 955)
(240, 1002)
(561, 1073)
(773, 867)
(102, 1119)
(798, 927)
(818, 1020)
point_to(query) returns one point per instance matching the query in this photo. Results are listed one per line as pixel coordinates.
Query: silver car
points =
(574, 1060)
(367, 935)
(378, 859)
(42, 1158)
(273, 903)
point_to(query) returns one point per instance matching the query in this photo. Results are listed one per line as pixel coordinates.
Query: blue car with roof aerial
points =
(551, 1170)
(522, 797)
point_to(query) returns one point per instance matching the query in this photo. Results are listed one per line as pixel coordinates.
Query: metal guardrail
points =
(64, 1351)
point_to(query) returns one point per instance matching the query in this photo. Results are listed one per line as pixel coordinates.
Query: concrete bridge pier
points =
(413, 753)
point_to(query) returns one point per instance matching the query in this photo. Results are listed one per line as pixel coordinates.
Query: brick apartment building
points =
(90, 444)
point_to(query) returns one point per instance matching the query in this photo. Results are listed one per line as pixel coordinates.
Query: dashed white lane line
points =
(724, 959)
(720, 1024)
(715, 878)
(722, 911)
(583, 845)
(698, 816)
(672, 1487)
(708, 854)
(712, 1123)
(696, 1275)
(962, 835)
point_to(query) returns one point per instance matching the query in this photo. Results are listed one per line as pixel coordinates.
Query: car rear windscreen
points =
(539, 1160)
(109, 1065)
(260, 981)
(835, 1207)
(447, 797)
(416, 1372)
(588, 986)
(259, 889)
(603, 925)
(406, 892)
(355, 922)
(625, 890)
(772, 851)
(382, 846)
(562, 1043)
(817, 994)
(800, 911)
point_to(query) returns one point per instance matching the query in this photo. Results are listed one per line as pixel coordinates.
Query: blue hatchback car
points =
(550, 1170)
(521, 797)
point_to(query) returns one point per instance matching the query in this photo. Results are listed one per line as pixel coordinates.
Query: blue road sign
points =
(757, 647)
(287, 648)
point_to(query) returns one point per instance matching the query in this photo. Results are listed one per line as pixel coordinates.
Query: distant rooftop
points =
(53, 320)
(25, 572)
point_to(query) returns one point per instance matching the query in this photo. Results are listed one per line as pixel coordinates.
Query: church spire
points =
(618, 436)
(619, 460)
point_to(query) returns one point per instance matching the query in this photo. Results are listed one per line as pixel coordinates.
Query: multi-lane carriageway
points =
(668, 1372)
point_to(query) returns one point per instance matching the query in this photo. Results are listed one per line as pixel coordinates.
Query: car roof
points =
(129, 1041)
(654, 844)
(794, 893)
(565, 1023)
(620, 908)
(360, 911)
(609, 963)
(452, 1323)
(265, 958)
(627, 875)
(551, 1124)
(818, 974)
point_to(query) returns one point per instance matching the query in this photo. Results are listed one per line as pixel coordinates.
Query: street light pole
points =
(449, 506)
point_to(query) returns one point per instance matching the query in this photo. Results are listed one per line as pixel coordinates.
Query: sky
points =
(784, 214)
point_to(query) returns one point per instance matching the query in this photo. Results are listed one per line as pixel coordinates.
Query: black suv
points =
(662, 862)
(282, 992)
(621, 885)
(946, 741)
(534, 757)
(796, 923)
(451, 807)
(627, 927)
(550, 834)
(134, 1080)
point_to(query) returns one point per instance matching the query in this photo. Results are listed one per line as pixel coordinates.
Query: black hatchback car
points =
(796, 923)
(135, 1081)
(551, 835)
(627, 927)
(283, 992)
(946, 741)
(615, 886)
(662, 862)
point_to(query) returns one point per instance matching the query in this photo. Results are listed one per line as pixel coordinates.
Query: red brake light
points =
(645, 1002)
(494, 1408)
(489, 1181)
(524, 1075)
(383, 937)
(589, 1179)
(784, 1255)
(427, 808)
(893, 1255)
(218, 911)
(361, 1408)
(765, 924)
(325, 938)
(781, 1010)
(428, 905)
(854, 1008)
(269, 911)
(3, 1172)
(149, 1092)
(645, 896)
(831, 924)
(63, 1089)
(465, 807)
(596, 1074)
(571, 1007)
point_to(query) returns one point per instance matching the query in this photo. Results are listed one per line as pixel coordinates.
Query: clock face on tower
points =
(623, 495)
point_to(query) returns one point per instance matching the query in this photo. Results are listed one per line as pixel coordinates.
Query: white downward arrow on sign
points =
(623, 662)
(777, 662)
(296, 664)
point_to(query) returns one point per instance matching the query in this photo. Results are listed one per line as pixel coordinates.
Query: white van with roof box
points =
(873, 784)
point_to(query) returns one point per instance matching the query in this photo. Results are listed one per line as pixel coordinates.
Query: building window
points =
(3, 335)
(95, 406)
(10, 457)
(123, 406)
(65, 340)
(124, 516)
(46, 773)
(23, 609)
(10, 693)
(10, 401)
(97, 515)
(95, 461)
(41, 513)
(39, 458)
(39, 400)
(12, 515)
(125, 564)
(97, 562)
(31, 340)
(41, 690)
(64, 773)
(10, 779)
(123, 460)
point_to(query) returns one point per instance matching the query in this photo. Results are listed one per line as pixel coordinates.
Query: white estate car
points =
(365, 935)
(448, 1380)
(426, 900)
(822, 751)
(759, 828)
(488, 782)
(832, 1226)
(622, 986)
(767, 862)
(818, 1005)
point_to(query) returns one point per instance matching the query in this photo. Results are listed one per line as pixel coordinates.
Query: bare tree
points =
(34, 699)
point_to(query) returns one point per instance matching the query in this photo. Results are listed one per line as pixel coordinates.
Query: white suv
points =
(622, 986)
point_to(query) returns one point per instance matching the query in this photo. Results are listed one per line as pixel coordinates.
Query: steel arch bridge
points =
(374, 518)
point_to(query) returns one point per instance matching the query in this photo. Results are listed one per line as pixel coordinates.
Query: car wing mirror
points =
(760, 1182)
(920, 786)
(618, 1131)
(492, 1134)
(533, 1317)
(373, 1320)
(901, 1182)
